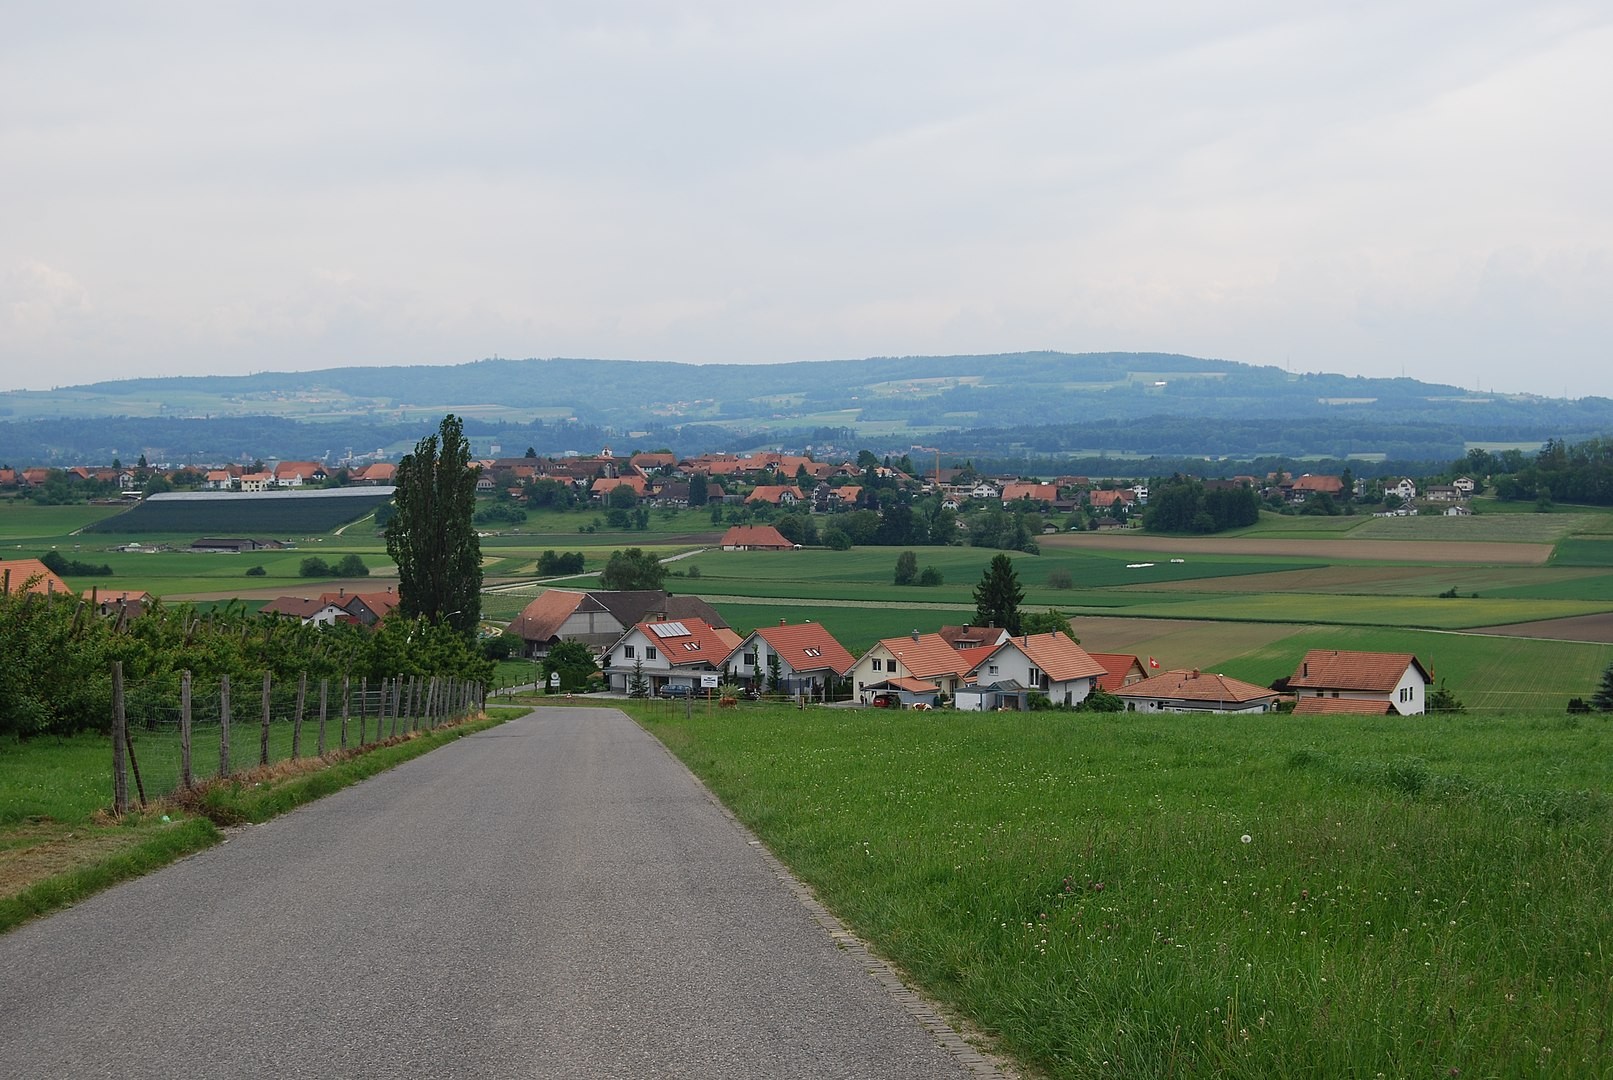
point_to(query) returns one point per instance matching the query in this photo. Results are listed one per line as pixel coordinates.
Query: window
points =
(813, 652)
(750, 659)
(877, 666)
(650, 653)
(1035, 677)
(991, 669)
(627, 652)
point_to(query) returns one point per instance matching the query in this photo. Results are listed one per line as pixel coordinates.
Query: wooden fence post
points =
(363, 695)
(186, 778)
(324, 686)
(296, 717)
(397, 693)
(224, 725)
(263, 735)
(120, 724)
(345, 708)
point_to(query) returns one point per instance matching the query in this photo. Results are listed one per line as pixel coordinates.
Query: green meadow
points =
(1163, 896)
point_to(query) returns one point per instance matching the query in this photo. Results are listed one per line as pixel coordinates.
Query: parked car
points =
(887, 701)
(676, 690)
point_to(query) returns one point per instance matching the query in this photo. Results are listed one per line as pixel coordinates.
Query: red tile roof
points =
(1316, 706)
(542, 618)
(1118, 668)
(1021, 490)
(1333, 669)
(1057, 654)
(969, 637)
(929, 655)
(807, 647)
(756, 536)
(31, 575)
(1202, 686)
(700, 642)
(774, 493)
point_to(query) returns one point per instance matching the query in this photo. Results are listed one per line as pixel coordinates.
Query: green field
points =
(1182, 896)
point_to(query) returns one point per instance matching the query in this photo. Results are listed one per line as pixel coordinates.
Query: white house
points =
(668, 652)
(1332, 680)
(1405, 488)
(1051, 664)
(924, 657)
(808, 656)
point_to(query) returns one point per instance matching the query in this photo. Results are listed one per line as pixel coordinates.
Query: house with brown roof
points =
(295, 474)
(602, 487)
(31, 576)
(808, 656)
(1119, 670)
(1019, 489)
(755, 538)
(668, 652)
(972, 637)
(1370, 680)
(923, 657)
(775, 495)
(599, 618)
(1196, 691)
(1051, 664)
(306, 610)
(365, 608)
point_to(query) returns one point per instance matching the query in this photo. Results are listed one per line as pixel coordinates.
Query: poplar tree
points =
(430, 536)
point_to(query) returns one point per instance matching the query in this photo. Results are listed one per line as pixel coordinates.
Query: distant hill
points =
(1038, 402)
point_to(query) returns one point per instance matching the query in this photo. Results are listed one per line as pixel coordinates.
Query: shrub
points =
(257, 571)
(1060, 579)
(930, 577)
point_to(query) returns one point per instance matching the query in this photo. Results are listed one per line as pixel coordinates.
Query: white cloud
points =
(305, 186)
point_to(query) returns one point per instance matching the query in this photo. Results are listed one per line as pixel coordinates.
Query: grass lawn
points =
(1413, 898)
(22, 521)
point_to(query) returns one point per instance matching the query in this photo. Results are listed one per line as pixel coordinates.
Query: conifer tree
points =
(431, 537)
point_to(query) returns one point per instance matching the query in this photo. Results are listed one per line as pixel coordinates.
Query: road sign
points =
(554, 678)
(708, 682)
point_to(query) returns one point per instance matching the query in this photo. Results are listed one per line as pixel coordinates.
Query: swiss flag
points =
(1152, 662)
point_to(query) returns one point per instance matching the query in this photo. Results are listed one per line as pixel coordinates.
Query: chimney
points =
(915, 634)
(782, 622)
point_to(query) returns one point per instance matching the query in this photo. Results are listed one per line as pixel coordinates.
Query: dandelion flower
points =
(1246, 838)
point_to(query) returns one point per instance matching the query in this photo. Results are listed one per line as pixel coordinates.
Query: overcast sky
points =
(1415, 186)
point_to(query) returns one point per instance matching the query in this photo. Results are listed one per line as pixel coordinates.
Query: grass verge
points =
(45, 865)
(1230, 896)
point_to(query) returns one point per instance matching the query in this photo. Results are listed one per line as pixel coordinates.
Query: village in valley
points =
(649, 643)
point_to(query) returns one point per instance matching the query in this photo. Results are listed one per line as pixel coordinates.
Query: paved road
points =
(555, 897)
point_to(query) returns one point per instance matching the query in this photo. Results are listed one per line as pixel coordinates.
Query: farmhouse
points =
(755, 538)
(776, 495)
(1331, 680)
(1196, 691)
(808, 657)
(307, 610)
(668, 652)
(234, 545)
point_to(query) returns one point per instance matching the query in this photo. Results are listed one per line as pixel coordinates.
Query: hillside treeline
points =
(1563, 472)
(59, 650)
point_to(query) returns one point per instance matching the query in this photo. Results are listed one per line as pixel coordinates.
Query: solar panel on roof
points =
(669, 629)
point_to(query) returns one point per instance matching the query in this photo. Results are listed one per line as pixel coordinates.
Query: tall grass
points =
(1413, 897)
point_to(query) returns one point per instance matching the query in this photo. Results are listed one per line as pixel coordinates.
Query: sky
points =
(1379, 188)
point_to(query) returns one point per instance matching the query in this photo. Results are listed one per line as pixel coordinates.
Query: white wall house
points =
(1051, 664)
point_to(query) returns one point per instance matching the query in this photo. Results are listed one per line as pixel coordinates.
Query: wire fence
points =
(171, 735)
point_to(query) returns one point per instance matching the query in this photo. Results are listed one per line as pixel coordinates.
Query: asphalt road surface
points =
(554, 897)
